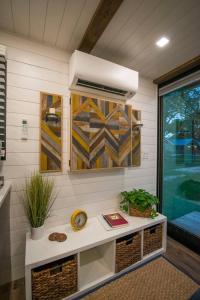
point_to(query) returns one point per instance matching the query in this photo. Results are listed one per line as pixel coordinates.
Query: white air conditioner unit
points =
(92, 74)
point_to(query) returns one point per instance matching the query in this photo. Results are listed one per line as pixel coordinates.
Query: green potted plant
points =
(38, 199)
(139, 203)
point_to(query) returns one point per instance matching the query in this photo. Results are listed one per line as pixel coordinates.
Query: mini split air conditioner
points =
(92, 74)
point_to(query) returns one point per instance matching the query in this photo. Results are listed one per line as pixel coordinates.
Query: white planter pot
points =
(37, 233)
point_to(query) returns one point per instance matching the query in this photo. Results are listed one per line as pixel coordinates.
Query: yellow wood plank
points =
(43, 161)
(80, 140)
(48, 131)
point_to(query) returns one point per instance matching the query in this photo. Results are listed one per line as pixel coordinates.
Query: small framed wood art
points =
(50, 132)
(136, 138)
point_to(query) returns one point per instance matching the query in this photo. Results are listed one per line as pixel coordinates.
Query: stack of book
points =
(115, 220)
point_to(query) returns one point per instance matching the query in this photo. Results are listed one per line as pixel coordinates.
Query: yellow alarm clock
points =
(78, 219)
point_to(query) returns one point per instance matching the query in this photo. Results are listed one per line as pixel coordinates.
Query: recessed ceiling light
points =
(162, 42)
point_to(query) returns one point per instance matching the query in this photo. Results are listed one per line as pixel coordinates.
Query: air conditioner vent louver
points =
(91, 74)
(101, 87)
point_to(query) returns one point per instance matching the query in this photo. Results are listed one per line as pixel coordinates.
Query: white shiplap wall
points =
(33, 68)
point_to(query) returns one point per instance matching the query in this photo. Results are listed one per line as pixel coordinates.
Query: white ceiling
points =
(129, 38)
(60, 23)
(131, 35)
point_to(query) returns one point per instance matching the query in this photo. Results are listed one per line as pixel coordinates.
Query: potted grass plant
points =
(38, 199)
(139, 203)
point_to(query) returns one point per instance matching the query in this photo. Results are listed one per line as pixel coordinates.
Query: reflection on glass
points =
(181, 157)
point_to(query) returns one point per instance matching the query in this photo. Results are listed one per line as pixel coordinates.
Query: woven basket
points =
(128, 251)
(134, 212)
(55, 280)
(152, 239)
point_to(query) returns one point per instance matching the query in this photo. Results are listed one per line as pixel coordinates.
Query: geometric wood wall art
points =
(51, 133)
(101, 134)
(136, 138)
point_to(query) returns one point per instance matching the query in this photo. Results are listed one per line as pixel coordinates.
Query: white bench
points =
(95, 249)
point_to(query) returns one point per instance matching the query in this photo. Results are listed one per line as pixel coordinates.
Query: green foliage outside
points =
(191, 189)
(183, 105)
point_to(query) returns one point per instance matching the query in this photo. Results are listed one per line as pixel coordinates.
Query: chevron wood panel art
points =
(136, 138)
(101, 133)
(51, 133)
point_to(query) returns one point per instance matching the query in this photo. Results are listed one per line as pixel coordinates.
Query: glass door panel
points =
(181, 158)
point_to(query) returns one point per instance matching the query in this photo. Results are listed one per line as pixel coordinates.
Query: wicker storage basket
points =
(134, 212)
(152, 239)
(128, 251)
(56, 280)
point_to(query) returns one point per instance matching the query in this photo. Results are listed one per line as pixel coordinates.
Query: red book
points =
(115, 220)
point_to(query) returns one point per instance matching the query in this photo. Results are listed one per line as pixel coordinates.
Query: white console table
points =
(95, 249)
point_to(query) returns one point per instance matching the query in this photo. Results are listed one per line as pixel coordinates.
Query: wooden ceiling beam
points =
(186, 67)
(100, 20)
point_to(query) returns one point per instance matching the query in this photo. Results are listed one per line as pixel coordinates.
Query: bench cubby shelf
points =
(95, 248)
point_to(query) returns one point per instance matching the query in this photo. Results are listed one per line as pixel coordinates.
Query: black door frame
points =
(189, 240)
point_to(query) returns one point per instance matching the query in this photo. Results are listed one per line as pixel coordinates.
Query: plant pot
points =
(134, 212)
(37, 233)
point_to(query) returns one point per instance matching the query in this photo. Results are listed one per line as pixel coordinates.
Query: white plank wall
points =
(32, 68)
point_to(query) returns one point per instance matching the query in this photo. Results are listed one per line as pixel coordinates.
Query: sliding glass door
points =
(181, 158)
